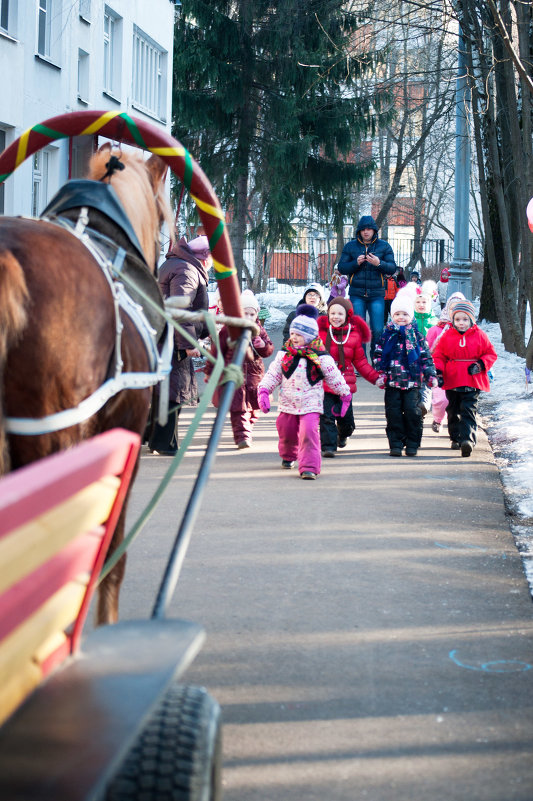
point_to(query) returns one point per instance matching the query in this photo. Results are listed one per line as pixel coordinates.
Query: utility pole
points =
(460, 268)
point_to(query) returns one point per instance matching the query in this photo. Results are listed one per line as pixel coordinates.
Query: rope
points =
(220, 375)
(176, 460)
(232, 373)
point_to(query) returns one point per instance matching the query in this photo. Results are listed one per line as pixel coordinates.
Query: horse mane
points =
(140, 187)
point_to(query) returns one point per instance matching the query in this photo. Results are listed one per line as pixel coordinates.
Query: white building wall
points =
(35, 87)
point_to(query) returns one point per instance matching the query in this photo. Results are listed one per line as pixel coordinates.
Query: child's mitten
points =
(381, 381)
(345, 402)
(433, 381)
(475, 367)
(263, 400)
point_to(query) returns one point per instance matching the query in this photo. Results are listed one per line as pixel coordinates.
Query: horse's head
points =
(141, 189)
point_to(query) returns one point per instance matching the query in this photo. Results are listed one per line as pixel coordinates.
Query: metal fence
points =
(292, 269)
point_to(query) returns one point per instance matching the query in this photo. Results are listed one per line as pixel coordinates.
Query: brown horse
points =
(57, 329)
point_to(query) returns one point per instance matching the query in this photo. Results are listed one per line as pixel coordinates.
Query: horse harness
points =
(92, 212)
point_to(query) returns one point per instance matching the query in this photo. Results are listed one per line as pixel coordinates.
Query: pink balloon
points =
(529, 212)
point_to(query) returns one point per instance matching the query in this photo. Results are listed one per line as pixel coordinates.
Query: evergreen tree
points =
(271, 100)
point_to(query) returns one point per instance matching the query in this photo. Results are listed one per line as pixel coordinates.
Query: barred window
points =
(149, 75)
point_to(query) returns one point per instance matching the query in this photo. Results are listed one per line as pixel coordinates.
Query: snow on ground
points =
(507, 414)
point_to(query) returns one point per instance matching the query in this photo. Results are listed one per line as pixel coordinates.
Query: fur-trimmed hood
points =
(356, 322)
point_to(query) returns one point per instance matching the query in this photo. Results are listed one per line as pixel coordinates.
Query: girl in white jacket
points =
(300, 369)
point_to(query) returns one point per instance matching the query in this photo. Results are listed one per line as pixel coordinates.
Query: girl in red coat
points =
(463, 356)
(343, 334)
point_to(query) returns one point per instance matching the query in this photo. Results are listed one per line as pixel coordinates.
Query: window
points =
(4, 14)
(112, 56)
(83, 76)
(2, 186)
(149, 75)
(44, 27)
(85, 10)
(40, 182)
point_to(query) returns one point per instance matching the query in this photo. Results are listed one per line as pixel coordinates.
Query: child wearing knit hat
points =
(403, 355)
(245, 405)
(463, 356)
(300, 369)
(439, 401)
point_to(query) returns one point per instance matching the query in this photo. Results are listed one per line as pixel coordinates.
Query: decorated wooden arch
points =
(122, 127)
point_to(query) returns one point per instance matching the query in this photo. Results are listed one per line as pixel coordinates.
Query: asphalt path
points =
(369, 634)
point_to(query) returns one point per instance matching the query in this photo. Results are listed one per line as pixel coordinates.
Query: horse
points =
(58, 328)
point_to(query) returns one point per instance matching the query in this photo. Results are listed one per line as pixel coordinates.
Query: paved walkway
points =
(369, 634)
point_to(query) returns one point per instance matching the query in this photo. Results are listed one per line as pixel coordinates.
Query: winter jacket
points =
(365, 280)
(184, 275)
(297, 395)
(245, 396)
(356, 332)
(338, 290)
(425, 320)
(455, 352)
(398, 374)
(442, 288)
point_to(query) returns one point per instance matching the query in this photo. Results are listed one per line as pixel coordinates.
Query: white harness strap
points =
(160, 363)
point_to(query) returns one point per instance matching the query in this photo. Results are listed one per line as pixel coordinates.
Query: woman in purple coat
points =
(184, 273)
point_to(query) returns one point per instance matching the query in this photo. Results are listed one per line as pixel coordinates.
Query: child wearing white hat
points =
(403, 355)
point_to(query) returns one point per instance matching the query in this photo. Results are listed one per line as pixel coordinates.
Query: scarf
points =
(403, 345)
(310, 353)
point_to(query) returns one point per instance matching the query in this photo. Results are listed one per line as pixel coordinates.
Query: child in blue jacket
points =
(402, 353)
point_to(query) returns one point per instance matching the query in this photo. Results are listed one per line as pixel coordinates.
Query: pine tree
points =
(271, 99)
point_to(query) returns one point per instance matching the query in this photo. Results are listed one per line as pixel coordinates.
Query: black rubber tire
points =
(178, 755)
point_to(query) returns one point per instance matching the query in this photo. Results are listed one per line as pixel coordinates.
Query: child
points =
(403, 355)
(343, 334)
(337, 285)
(439, 401)
(244, 406)
(313, 296)
(442, 286)
(463, 356)
(301, 368)
(425, 318)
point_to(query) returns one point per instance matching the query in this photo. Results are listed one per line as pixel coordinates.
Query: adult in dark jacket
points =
(184, 273)
(368, 260)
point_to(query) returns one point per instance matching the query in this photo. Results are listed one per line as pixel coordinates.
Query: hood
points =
(366, 222)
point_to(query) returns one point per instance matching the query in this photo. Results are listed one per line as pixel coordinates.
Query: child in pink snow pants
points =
(300, 369)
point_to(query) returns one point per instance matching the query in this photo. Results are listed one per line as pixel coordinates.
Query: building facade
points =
(60, 56)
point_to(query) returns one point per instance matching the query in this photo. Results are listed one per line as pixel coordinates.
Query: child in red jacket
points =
(343, 334)
(463, 356)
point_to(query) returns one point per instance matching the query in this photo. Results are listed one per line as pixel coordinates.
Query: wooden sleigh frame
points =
(73, 713)
(69, 737)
